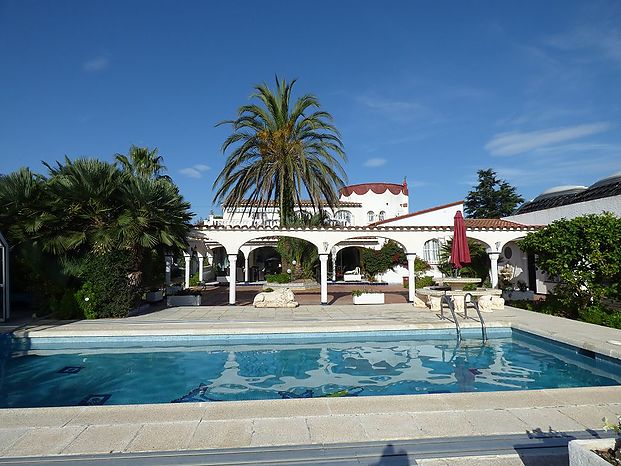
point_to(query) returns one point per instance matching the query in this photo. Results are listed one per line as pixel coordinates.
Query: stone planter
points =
(581, 452)
(154, 296)
(517, 295)
(184, 300)
(369, 298)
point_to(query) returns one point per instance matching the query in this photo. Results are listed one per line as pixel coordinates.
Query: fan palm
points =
(280, 151)
(141, 161)
(21, 194)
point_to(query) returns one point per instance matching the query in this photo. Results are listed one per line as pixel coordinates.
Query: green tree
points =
(302, 252)
(479, 266)
(492, 197)
(88, 210)
(142, 161)
(280, 151)
(584, 253)
(374, 262)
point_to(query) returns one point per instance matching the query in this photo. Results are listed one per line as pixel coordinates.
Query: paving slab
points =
(546, 419)
(450, 424)
(336, 429)
(497, 421)
(163, 437)
(102, 439)
(38, 417)
(9, 436)
(392, 426)
(139, 414)
(280, 431)
(266, 409)
(43, 441)
(234, 433)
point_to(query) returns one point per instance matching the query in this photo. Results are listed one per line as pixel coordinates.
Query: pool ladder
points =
(446, 300)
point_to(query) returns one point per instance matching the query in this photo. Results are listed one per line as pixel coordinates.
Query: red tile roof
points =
(491, 223)
(420, 212)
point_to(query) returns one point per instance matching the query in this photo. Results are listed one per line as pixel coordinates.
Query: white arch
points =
(412, 238)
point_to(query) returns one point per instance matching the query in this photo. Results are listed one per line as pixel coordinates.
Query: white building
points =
(572, 201)
(557, 203)
(359, 205)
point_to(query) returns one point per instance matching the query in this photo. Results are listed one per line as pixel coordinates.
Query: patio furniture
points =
(352, 275)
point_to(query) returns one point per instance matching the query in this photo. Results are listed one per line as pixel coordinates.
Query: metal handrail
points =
(446, 299)
(476, 308)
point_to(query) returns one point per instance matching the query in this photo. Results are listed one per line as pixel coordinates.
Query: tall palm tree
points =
(279, 152)
(142, 161)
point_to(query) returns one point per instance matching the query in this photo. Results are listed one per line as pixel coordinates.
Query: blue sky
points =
(429, 90)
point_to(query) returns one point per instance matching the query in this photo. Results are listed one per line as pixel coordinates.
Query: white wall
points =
(544, 217)
(439, 217)
(392, 204)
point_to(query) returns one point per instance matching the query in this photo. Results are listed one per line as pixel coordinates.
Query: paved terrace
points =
(319, 423)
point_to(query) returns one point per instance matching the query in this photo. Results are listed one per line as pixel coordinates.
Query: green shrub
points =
(67, 307)
(470, 287)
(268, 290)
(106, 291)
(87, 299)
(278, 278)
(422, 282)
(600, 315)
(194, 281)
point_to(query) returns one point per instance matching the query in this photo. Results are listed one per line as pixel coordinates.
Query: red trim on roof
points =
(420, 212)
(377, 188)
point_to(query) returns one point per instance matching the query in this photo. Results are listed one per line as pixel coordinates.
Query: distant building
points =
(571, 201)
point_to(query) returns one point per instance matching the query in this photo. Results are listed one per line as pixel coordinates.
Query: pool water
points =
(69, 372)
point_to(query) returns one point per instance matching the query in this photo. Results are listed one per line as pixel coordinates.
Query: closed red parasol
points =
(460, 252)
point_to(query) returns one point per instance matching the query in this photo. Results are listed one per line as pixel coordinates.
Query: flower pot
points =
(581, 452)
(516, 295)
(184, 300)
(369, 298)
(154, 296)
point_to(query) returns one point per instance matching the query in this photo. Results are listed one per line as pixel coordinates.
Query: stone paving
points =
(104, 429)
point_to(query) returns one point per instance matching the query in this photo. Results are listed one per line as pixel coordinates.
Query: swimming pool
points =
(136, 370)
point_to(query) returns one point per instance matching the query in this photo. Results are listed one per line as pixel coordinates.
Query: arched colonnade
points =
(328, 240)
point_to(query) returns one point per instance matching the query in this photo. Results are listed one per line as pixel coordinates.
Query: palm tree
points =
(279, 152)
(141, 161)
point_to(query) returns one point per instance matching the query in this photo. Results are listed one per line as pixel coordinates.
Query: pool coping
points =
(299, 421)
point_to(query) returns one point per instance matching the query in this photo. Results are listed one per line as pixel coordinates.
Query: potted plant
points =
(521, 294)
(184, 298)
(154, 295)
(367, 297)
(597, 452)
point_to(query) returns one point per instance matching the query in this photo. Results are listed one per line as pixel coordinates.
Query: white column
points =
(323, 259)
(187, 257)
(201, 260)
(493, 258)
(333, 265)
(168, 259)
(232, 277)
(246, 267)
(411, 277)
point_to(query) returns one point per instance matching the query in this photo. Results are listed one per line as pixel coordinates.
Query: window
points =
(382, 215)
(371, 216)
(343, 217)
(431, 251)
(508, 253)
